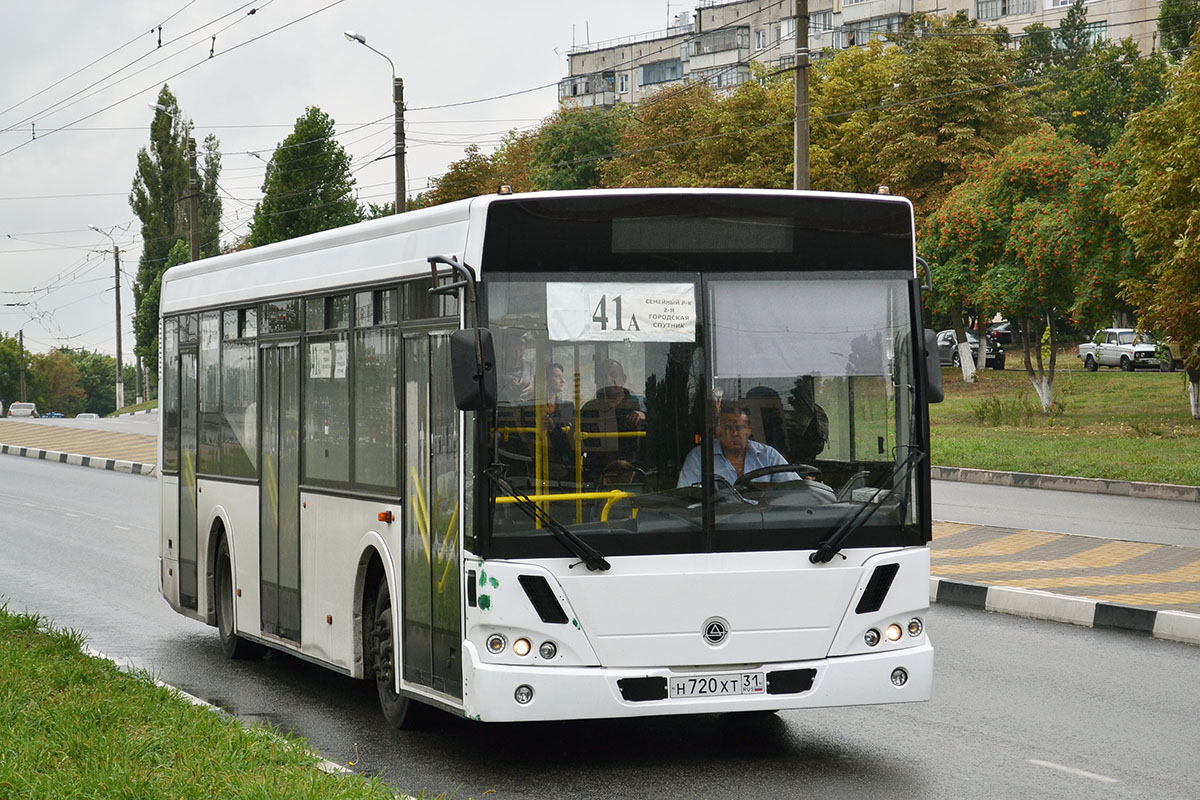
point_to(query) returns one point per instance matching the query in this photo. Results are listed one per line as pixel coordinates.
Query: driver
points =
(734, 454)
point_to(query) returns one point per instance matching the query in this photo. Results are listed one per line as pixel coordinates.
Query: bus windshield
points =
(693, 412)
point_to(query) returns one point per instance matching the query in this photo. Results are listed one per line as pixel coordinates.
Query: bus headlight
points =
(523, 694)
(548, 650)
(522, 647)
(871, 637)
(893, 632)
(496, 643)
(899, 676)
(915, 626)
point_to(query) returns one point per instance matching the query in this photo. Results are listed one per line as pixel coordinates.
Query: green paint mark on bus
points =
(495, 583)
(485, 601)
(575, 622)
(483, 578)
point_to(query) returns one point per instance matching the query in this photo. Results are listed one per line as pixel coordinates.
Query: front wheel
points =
(399, 711)
(1090, 364)
(232, 645)
(1166, 362)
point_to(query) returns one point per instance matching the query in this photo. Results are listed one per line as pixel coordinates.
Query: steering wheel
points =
(803, 470)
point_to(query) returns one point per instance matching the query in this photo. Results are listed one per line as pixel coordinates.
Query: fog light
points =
(522, 647)
(915, 626)
(495, 644)
(548, 650)
(871, 637)
(524, 694)
(899, 676)
(894, 633)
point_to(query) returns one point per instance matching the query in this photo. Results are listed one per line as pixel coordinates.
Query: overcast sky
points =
(78, 76)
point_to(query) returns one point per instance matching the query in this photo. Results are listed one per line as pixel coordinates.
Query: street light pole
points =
(120, 392)
(398, 101)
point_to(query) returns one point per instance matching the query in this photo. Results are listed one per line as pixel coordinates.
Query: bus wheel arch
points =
(379, 653)
(224, 607)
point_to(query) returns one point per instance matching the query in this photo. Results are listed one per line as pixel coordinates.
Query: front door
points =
(432, 635)
(279, 491)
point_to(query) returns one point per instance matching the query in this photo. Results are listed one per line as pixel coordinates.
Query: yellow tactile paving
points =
(139, 447)
(1099, 557)
(1184, 574)
(943, 529)
(1008, 545)
(1150, 598)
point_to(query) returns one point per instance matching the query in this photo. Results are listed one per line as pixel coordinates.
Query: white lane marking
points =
(1073, 771)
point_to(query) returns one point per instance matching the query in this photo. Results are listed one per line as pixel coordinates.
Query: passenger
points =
(734, 453)
(557, 420)
(614, 411)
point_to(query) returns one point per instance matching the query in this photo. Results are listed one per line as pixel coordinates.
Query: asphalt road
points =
(1021, 708)
(1106, 516)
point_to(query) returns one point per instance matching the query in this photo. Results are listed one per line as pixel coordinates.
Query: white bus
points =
(637, 453)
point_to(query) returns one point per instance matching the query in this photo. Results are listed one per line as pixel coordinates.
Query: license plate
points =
(718, 685)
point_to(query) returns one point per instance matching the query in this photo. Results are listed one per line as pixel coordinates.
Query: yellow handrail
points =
(612, 496)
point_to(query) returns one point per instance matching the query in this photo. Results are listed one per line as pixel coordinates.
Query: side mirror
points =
(473, 364)
(933, 369)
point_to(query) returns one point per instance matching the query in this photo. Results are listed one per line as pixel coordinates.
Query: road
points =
(1106, 516)
(1020, 708)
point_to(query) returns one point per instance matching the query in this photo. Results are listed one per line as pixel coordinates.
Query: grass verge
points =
(75, 726)
(1107, 424)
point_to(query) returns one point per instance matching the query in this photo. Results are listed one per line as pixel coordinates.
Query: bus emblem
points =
(715, 631)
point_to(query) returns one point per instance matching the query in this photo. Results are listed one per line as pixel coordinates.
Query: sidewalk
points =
(1145, 588)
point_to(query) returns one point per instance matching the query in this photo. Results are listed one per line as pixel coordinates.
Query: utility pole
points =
(117, 285)
(193, 201)
(801, 134)
(21, 347)
(398, 99)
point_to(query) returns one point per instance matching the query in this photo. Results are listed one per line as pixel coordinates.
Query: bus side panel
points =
(235, 505)
(331, 533)
(168, 545)
(907, 597)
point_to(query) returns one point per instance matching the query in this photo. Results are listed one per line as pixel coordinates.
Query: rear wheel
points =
(400, 712)
(1126, 364)
(232, 645)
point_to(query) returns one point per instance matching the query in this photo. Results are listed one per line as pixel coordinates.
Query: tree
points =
(308, 187)
(1161, 211)
(952, 102)
(10, 369)
(1178, 21)
(160, 186)
(572, 147)
(96, 372)
(54, 383)
(1014, 219)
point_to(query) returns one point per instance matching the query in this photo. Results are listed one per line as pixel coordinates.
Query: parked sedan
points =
(947, 342)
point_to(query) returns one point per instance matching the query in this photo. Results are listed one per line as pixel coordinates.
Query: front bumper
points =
(593, 692)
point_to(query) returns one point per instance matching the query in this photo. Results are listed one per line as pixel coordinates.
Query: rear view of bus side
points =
(563, 455)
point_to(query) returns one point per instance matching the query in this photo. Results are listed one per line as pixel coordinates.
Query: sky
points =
(79, 75)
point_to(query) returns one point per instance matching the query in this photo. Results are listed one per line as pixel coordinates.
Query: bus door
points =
(432, 628)
(189, 397)
(279, 491)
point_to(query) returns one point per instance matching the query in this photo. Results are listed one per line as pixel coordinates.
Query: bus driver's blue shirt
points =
(757, 455)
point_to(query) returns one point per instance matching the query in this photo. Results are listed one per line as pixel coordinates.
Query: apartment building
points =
(718, 41)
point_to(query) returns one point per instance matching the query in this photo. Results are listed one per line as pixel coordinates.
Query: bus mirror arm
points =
(472, 354)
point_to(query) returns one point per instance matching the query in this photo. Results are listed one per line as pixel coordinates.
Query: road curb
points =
(113, 464)
(1175, 626)
(1068, 483)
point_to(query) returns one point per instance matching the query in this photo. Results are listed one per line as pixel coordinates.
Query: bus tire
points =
(232, 645)
(400, 712)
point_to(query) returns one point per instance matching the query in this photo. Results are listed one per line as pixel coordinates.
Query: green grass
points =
(77, 727)
(139, 407)
(1106, 424)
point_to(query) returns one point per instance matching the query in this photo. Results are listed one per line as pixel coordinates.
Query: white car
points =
(23, 410)
(87, 415)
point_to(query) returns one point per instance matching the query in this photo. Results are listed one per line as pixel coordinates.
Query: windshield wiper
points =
(830, 547)
(590, 556)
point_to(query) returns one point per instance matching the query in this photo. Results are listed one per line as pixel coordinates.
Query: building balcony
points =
(597, 90)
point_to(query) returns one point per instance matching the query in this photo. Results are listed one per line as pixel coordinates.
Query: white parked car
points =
(87, 415)
(1119, 347)
(22, 410)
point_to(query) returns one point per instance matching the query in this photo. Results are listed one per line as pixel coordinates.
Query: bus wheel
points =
(400, 712)
(232, 645)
